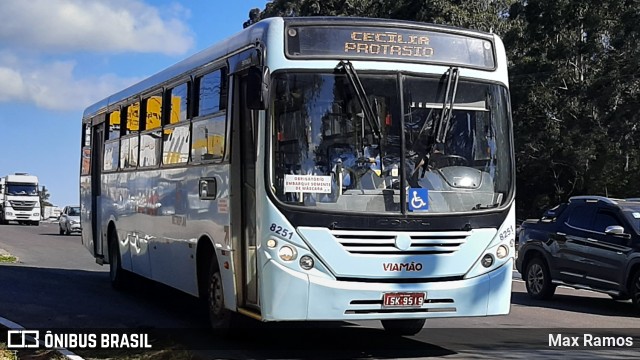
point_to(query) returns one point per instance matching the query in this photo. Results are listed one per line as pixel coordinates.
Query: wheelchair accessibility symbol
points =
(418, 199)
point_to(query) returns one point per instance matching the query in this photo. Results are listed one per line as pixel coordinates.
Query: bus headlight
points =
(306, 262)
(271, 243)
(287, 253)
(502, 251)
(487, 260)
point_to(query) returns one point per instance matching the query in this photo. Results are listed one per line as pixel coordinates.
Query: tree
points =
(44, 199)
(487, 15)
(574, 88)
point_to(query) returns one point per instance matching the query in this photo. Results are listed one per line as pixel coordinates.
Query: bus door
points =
(243, 188)
(97, 144)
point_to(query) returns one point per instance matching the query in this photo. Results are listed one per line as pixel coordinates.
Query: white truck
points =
(19, 199)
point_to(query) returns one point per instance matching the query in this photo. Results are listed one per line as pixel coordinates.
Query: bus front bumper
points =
(297, 296)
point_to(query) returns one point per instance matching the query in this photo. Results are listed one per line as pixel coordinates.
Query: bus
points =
(311, 169)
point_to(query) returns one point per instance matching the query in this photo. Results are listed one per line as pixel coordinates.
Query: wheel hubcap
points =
(215, 294)
(535, 278)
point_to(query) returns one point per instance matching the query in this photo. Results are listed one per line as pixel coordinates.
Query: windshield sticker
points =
(307, 184)
(418, 199)
(636, 215)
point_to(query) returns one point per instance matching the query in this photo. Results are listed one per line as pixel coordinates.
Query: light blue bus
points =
(313, 169)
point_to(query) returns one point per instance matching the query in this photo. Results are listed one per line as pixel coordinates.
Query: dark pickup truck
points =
(591, 242)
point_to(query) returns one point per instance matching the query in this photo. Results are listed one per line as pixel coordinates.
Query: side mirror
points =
(615, 230)
(258, 83)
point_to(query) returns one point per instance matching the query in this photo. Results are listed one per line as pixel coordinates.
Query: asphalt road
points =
(57, 285)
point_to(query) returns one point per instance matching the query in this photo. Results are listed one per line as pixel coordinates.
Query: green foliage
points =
(484, 15)
(44, 198)
(574, 81)
(574, 88)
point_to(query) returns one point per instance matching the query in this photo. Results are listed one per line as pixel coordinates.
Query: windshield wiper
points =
(367, 109)
(441, 128)
(438, 132)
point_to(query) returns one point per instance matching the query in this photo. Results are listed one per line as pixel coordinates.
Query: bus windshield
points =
(327, 156)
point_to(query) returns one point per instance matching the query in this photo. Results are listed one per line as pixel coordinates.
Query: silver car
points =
(69, 220)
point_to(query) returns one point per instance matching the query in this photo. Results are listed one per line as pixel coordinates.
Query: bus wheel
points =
(116, 272)
(219, 315)
(406, 327)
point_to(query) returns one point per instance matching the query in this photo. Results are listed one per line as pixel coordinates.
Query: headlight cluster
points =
(288, 253)
(501, 252)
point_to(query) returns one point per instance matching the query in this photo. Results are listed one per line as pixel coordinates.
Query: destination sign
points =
(341, 42)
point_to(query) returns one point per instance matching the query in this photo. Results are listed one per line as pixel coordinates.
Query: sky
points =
(59, 56)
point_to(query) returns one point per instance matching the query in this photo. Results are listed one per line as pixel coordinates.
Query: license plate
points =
(403, 299)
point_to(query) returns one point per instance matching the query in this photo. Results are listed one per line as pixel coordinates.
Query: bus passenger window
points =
(129, 152)
(150, 144)
(208, 139)
(176, 145)
(179, 103)
(209, 93)
(153, 112)
(86, 161)
(114, 125)
(111, 155)
(133, 117)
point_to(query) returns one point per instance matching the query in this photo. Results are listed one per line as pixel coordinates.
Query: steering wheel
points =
(449, 160)
(352, 177)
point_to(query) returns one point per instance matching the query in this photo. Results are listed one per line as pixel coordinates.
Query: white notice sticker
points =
(307, 184)
(636, 215)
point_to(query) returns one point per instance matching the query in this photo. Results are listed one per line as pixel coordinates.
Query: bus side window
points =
(178, 103)
(112, 146)
(210, 91)
(86, 150)
(153, 112)
(208, 139)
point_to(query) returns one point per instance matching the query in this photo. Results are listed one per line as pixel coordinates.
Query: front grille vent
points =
(379, 243)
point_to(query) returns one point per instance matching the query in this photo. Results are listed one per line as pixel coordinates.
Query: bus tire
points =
(219, 315)
(404, 327)
(537, 279)
(117, 274)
